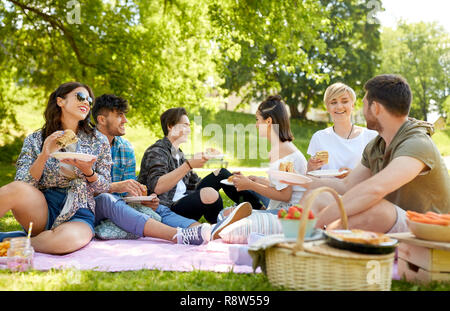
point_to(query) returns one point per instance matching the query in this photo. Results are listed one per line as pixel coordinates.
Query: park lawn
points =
(141, 138)
(155, 280)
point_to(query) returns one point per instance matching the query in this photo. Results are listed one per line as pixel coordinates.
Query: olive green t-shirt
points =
(430, 190)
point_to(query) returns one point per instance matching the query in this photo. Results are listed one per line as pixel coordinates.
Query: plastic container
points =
(20, 255)
(292, 226)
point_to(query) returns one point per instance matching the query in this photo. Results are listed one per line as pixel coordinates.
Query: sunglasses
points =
(82, 97)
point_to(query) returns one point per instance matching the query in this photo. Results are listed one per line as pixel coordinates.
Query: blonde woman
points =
(344, 141)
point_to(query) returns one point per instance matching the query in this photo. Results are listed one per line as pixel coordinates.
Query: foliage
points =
(155, 54)
(420, 52)
(294, 48)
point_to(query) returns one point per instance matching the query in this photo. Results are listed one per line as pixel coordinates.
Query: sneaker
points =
(197, 235)
(241, 211)
(221, 215)
(12, 234)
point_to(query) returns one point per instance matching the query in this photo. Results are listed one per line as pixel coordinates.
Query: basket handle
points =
(309, 200)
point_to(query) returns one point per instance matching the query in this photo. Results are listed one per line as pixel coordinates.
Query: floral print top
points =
(80, 191)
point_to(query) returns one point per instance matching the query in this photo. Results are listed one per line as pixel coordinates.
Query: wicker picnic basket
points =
(317, 266)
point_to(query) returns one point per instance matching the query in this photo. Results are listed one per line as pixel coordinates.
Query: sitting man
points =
(109, 113)
(401, 169)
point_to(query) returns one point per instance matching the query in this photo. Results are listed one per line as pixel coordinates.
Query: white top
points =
(341, 152)
(181, 186)
(300, 165)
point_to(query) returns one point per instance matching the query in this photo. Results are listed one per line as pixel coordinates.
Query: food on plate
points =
(66, 139)
(230, 179)
(4, 246)
(429, 218)
(294, 212)
(287, 167)
(322, 155)
(360, 236)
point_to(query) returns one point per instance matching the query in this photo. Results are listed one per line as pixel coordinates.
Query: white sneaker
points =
(241, 211)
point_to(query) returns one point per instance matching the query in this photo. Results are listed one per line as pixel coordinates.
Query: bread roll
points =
(322, 155)
(287, 167)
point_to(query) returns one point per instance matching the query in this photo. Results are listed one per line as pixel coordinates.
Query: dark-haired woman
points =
(272, 121)
(58, 196)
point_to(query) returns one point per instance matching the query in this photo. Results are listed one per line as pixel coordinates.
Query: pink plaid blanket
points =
(144, 253)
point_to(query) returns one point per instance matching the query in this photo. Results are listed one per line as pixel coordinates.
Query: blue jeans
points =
(113, 207)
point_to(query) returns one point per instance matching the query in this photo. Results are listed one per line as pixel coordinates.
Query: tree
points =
(295, 48)
(420, 52)
(153, 53)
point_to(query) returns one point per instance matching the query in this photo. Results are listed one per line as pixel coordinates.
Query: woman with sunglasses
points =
(58, 196)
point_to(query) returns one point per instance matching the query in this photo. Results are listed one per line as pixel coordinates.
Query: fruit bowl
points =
(290, 222)
(292, 226)
(429, 232)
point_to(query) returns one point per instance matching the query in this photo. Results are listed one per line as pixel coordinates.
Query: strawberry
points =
(282, 213)
(310, 215)
(297, 214)
(292, 209)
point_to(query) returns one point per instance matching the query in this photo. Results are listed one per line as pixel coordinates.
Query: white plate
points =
(73, 155)
(226, 182)
(290, 177)
(326, 173)
(139, 198)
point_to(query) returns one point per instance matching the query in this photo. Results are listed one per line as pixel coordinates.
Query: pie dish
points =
(361, 241)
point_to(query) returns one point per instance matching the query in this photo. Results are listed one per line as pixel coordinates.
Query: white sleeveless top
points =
(300, 165)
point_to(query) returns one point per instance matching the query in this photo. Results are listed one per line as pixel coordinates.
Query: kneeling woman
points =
(58, 196)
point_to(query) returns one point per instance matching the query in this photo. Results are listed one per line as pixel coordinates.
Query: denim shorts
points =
(56, 197)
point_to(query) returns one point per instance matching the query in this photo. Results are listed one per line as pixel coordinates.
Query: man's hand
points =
(345, 174)
(198, 160)
(131, 186)
(153, 204)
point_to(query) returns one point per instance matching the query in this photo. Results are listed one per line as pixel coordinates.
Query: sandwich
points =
(322, 155)
(287, 167)
(230, 179)
(66, 139)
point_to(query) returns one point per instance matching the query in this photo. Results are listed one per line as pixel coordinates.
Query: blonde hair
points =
(336, 90)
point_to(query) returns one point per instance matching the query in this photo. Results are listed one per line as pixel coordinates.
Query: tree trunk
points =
(295, 114)
(424, 111)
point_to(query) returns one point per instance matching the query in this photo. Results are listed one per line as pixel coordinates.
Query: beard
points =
(372, 122)
(114, 131)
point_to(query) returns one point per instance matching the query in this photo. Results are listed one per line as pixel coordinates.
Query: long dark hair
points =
(53, 112)
(274, 107)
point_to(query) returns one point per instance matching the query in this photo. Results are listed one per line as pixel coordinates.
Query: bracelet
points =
(93, 172)
(189, 164)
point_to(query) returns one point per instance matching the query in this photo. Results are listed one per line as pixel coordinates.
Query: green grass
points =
(141, 138)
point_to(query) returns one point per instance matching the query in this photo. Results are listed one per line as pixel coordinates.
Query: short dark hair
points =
(392, 91)
(171, 117)
(274, 107)
(109, 102)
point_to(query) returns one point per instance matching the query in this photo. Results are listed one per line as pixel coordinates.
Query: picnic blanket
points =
(145, 253)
